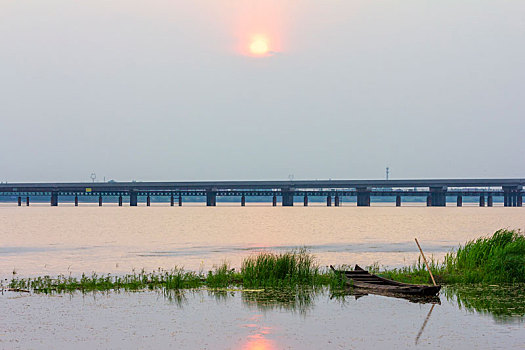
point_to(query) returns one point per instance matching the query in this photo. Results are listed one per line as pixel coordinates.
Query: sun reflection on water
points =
(258, 340)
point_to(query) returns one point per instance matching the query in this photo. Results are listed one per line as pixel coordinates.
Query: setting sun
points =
(259, 46)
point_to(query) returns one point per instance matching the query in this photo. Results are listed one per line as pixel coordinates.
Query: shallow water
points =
(247, 320)
(41, 240)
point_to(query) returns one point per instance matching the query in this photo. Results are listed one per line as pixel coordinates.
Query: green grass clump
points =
(279, 270)
(222, 276)
(496, 259)
(416, 273)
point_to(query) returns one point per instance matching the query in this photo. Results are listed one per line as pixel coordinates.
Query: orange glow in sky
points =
(260, 28)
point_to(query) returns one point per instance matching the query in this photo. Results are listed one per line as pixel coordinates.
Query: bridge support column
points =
(133, 198)
(27, 201)
(328, 201)
(490, 201)
(510, 195)
(398, 201)
(172, 200)
(305, 200)
(243, 201)
(54, 199)
(287, 194)
(211, 198)
(363, 197)
(274, 201)
(460, 201)
(180, 200)
(100, 200)
(148, 200)
(120, 200)
(438, 196)
(76, 200)
(336, 201)
(482, 200)
(19, 201)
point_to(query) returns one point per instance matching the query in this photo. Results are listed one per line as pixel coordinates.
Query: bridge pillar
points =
(438, 196)
(287, 194)
(180, 200)
(274, 200)
(211, 198)
(336, 200)
(133, 198)
(172, 200)
(19, 201)
(100, 200)
(328, 201)
(120, 200)
(363, 197)
(243, 200)
(27, 201)
(148, 201)
(482, 200)
(305, 200)
(510, 195)
(398, 201)
(490, 200)
(460, 201)
(76, 200)
(54, 199)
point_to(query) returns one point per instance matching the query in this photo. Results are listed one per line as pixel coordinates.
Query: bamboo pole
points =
(426, 263)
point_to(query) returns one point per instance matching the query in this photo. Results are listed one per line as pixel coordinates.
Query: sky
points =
(173, 90)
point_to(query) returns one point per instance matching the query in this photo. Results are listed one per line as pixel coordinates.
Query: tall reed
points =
(496, 259)
(277, 270)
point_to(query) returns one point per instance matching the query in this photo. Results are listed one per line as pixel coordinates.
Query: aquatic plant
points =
(416, 273)
(496, 259)
(505, 302)
(279, 270)
(291, 269)
(222, 276)
(499, 258)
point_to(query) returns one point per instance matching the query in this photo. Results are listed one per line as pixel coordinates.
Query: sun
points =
(259, 46)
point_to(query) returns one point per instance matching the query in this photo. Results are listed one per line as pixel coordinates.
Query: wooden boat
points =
(361, 279)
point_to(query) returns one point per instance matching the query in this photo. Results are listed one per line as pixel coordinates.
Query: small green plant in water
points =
(280, 270)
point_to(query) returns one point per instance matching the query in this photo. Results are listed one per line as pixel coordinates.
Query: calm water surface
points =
(41, 240)
(246, 320)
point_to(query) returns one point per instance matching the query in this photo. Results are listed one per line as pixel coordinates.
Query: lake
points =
(40, 240)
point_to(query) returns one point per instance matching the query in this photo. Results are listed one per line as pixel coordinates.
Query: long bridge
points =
(436, 191)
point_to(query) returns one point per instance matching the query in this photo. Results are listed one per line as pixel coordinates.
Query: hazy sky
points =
(167, 89)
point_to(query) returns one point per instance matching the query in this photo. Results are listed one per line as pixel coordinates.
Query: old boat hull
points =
(361, 279)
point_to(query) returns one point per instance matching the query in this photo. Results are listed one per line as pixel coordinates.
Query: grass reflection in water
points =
(300, 300)
(506, 303)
